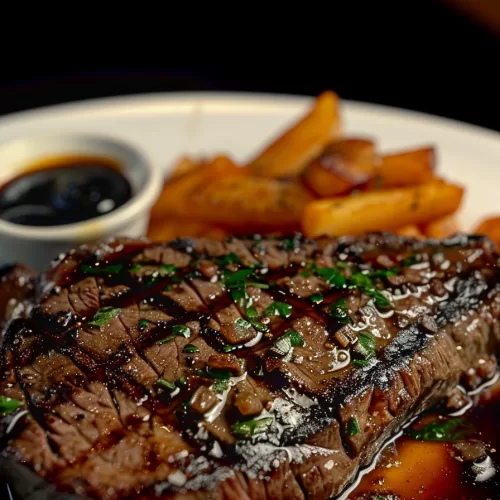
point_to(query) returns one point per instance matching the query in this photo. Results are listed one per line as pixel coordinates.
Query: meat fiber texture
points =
(252, 368)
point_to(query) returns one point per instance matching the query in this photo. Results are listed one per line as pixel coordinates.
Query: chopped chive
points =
(384, 273)
(182, 382)
(454, 429)
(228, 348)
(316, 298)
(360, 362)
(190, 348)
(367, 340)
(250, 428)
(279, 309)
(104, 315)
(98, 270)
(177, 331)
(143, 323)
(331, 276)
(167, 269)
(340, 311)
(340, 264)
(135, 268)
(353, 427)
(168, 288)
(242, 324)
(290, 244)
(251, 313)
(8, 405)
(225, 260)
(411, 260)
(181, 331)
(165, 384)
(220, 385)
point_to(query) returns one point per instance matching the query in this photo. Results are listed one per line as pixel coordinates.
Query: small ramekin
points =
(36, 246)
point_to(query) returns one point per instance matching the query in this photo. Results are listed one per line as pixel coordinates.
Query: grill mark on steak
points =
(414, 354)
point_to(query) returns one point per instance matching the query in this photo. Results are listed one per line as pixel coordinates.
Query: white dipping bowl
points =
(36, 246)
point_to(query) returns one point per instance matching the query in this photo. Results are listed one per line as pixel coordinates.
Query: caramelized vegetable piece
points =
(288, 154)
(381, 210)
(491, 228)
(441, 228)
(343, 165)
(407, 168)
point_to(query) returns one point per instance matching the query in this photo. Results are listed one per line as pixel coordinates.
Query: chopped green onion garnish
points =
(143, 323)
(104, 315)
(331, 276)
(97, 269)
(225, 260)
(316, 298)
(220, 385)
(352, 427)
(251, 313)
(340, 311)
(165, 384)
(190, 348)
(181, 331)
(454, 429)
(290, 243)
(8, 405)
(360, 362)
(279, 309)
(135, 268)
(177, 331)
(251, 427)
(167, 270)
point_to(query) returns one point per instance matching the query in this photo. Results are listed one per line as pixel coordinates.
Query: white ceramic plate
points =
(165, 126)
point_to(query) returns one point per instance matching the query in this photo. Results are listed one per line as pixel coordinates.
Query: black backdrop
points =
(418, 55)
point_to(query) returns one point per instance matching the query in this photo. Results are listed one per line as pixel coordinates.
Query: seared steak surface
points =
(249, 369)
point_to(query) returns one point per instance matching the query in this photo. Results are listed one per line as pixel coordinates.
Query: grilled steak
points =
(16, 289)
(244, 369)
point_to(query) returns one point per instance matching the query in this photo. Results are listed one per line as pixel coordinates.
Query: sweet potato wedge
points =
(490, 227)
(289, 153)
(381, 210)
(407, 168)
(441, 228)
(342, 166)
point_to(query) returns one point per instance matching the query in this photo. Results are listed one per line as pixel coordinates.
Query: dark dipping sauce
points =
(64, 191)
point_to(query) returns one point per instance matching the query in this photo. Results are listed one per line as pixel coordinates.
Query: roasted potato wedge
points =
(184, 166)
(490, 227)
(381, 210)
(407, 168)
(179, 188)
(288, 154)
(441, 228)
(342, 166)
(241, 203)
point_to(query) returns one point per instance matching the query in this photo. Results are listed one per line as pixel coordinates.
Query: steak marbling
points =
(252, 368)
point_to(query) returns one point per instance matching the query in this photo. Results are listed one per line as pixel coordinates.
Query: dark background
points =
(420, 55)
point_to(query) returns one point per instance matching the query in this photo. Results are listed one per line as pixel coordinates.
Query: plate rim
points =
(161, 102)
